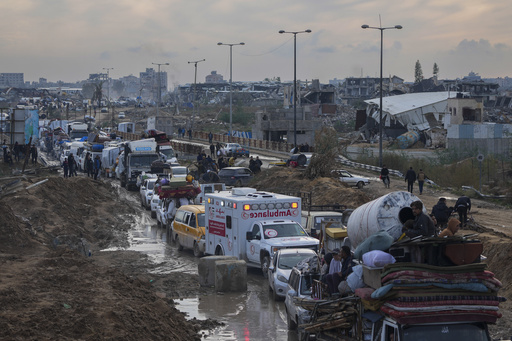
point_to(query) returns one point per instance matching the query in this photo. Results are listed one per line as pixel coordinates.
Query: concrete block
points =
(231, 275)
(206, 269)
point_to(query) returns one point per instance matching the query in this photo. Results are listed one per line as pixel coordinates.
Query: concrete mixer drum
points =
(388, 213)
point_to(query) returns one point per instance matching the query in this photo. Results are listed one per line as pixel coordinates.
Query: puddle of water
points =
(250, 315)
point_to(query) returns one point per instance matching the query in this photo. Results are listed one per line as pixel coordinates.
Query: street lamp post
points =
(108, 91)
(159, 87)
(195, 84)
(230, 87)
(398, 27)
(295, 81)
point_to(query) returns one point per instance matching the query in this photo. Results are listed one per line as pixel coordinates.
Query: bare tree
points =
(326, 152)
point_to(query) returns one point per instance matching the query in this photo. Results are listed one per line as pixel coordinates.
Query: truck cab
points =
(139, 158)
(391, 330)
(268, 236)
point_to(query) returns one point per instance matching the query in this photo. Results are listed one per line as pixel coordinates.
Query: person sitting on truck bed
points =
(333, 279)
(423, 225)
(453, 227)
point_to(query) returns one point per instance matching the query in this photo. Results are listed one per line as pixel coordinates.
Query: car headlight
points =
(282, 278)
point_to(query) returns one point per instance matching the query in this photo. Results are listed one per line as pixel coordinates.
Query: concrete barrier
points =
(206, 269)
(230, 275)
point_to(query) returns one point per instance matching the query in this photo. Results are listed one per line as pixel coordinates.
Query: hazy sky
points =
(69, 39)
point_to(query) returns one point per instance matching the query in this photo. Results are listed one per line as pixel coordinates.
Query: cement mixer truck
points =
(388, 213)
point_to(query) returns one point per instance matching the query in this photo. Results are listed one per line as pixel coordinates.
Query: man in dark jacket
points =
(410, 177)
(423, 225)
(71, 164)
(97, 167)
(463, 206)
(384, 175)
(441, 212)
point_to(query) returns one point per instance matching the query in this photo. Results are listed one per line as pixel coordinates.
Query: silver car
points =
(282, 264)
(350, 179)
(300, 284)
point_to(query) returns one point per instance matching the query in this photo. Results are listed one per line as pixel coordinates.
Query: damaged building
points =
(426, 113)
(278, 124)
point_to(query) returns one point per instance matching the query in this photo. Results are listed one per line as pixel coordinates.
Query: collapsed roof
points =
(410, 110)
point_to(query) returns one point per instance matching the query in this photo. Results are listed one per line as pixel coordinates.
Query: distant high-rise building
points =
(11, 79)
(149, 83)
(214, 77)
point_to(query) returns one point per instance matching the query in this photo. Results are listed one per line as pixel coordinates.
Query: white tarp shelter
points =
(410, 110)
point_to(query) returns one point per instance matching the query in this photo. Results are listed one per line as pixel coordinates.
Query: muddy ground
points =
(50, 288)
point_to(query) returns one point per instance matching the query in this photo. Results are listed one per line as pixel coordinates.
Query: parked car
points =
(230, 149)
(188, 228)
(121, 115)
(242, 151)
(155, 201)
(300, 285)
(235, 176)
(350, 179)
(281, 267)
(146, 192)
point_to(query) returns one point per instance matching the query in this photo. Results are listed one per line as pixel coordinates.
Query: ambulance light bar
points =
(271, 206)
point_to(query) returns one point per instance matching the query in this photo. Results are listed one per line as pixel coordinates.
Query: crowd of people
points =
(18, 152)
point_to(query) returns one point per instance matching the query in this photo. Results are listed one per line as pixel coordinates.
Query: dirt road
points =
(50, 288)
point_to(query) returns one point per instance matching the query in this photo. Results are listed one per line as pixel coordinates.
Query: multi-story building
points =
(11, 79)
(214, 77)
(150, 81)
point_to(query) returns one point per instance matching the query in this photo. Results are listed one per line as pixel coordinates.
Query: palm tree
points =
(97, 95)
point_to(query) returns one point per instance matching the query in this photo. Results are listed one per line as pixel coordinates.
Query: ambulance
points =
(252, 225)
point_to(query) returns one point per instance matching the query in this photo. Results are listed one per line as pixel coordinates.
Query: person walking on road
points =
(71, 164)
(463, 206)
(421, 180)
(16, 150)
(384, 175)
(66, 167)
(410, 177)
(97, 166)
(33, 153)
(212, 150)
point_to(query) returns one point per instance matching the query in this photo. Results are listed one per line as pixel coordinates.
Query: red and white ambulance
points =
(252, 225)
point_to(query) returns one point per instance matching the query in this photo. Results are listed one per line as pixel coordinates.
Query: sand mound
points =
(324, 191)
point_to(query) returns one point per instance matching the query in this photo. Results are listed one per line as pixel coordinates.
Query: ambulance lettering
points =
(270, 214)
(217, 228)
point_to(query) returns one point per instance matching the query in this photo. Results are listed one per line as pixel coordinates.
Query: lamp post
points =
(108, 90)
(230, 87)
(159, 88)
(398, 27)
(295, 81)
(195, 84)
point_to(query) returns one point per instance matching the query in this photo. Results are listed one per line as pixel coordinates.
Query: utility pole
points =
(108, 91)
(159, 88)
(195, 88)
(230, 87)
